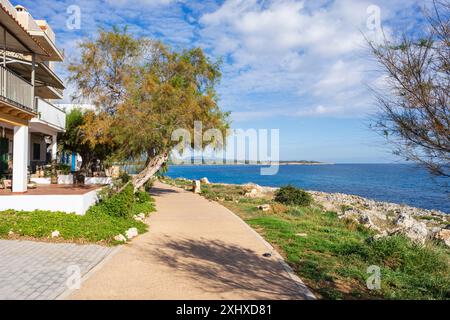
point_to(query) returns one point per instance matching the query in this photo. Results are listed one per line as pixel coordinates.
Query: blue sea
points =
(397, 183)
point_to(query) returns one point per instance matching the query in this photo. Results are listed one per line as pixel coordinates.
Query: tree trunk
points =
(86, 162)
(151, 168)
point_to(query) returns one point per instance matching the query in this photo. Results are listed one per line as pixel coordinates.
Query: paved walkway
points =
(195, 249)
(41, 271)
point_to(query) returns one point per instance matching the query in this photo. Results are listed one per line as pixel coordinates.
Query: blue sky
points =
(298, 66)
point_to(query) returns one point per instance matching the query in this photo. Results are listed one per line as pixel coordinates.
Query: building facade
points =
(29, 87)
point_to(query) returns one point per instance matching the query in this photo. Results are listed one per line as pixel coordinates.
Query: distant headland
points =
(262, 163)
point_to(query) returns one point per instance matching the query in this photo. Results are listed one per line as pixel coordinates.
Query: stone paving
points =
(42, 271)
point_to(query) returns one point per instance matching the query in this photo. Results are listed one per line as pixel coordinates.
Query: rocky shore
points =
(386, 219)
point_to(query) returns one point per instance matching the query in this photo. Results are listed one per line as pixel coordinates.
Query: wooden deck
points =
(55, 189)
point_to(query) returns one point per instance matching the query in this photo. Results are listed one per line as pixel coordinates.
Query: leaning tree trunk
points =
(149, 171)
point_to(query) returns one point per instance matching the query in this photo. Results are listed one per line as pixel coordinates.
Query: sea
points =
(396, 183)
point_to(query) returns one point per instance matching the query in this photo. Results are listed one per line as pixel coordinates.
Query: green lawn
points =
(96, 226)
(332, 255)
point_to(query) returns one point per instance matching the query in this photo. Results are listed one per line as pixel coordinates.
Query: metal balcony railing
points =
(15, 90)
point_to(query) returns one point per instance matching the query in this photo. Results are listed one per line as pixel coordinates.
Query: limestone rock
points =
(264, 207)
(405, 221)
(204, 180)
(55, 234)
(411, 228)
(131, 233)
(381, 235)
(444, 236)
(139, 217)
(120, 238)
(253, 193)
(196, 184)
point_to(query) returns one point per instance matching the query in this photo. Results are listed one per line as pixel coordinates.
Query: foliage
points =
(144, 91)
(64, 168)
(95, 226)
(414, 110)
(73, 139)
(148, 185)
(142, 197)
(332, 255)
(124, 177)
(119, 204)
(293, 196)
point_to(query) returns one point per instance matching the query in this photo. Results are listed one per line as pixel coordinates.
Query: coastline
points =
(383, 218)
(255, 164)
(393, 183)
(335, 195)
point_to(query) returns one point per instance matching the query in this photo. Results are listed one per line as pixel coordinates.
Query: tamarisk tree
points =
(143, 92)
(414, 112)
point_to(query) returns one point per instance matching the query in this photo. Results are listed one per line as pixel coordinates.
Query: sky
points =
(302, 67)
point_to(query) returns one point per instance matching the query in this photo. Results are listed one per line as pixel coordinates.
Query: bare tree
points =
(414, 112)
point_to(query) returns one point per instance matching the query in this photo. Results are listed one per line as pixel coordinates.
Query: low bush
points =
(95, 226)
(149, 185)
(290, 195)
(145, 208)
(119, 204)
(143, 197)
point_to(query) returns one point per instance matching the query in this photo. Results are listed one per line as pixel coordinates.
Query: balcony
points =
(16, 98)
(49, 116)
(40, 30)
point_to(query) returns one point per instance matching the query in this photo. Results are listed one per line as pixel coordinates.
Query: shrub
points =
(142, 197)
(149, 185)
(119, 204)
(145, 208)
(124, 177)
(290, 195)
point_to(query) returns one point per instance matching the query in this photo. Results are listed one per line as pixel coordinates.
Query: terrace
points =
(66, 198)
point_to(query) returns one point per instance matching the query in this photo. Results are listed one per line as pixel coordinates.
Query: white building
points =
(29, 87)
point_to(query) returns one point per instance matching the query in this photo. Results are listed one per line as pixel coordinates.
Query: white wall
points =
(78, 204)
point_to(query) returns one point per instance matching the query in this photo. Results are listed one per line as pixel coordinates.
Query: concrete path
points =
(195, 249)
(43, 271)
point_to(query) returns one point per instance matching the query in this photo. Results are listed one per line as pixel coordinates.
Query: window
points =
(36, 151)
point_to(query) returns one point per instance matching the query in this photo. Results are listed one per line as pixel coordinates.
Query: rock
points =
(411, 228)
(55, 234)
(120, 238)
(405, 221)
(10, 233)
(252, 190)
(196, 184)
(444, 236)
(139, 217)
(253, 193)
(131, 233)
(204, 180)
(264, 207)
(365, 219)
(381, 235)
(303, 235)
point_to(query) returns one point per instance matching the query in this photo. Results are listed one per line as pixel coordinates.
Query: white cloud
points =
(313, 48)
(135, 3)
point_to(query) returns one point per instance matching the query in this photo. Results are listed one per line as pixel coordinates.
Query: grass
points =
(96, 226)
(334, 256)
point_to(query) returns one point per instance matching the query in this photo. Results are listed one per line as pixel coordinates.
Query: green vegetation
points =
(293, 196)
(144, 91)
(111, 216)
(119, 204)
(332, 256)
(73, 139)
